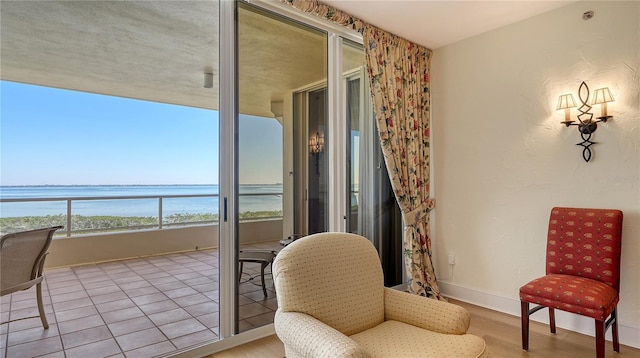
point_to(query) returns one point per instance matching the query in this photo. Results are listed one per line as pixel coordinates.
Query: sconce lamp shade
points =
(602, 95)
(566, 101)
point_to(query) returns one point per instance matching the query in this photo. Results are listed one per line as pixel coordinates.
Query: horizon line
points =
(72, 185)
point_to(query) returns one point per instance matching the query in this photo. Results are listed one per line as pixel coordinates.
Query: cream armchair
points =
(332, 303)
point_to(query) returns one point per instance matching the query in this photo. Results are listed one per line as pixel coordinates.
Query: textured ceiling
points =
(156, 50)
(436, 23)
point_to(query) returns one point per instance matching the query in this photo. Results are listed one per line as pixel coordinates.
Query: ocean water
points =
(269, 199)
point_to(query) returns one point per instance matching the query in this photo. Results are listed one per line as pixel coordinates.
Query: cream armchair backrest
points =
(332, 303)
(347, 294)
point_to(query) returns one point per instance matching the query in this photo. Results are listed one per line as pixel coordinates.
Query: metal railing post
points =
(68, 217)
(159, 212)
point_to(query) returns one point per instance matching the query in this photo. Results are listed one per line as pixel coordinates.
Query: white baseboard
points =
(629, 336)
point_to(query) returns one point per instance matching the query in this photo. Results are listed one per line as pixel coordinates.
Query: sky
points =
(51, 136)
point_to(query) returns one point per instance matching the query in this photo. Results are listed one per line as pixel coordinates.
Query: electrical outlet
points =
(452, 258)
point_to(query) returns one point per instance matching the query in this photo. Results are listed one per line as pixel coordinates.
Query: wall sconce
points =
(316, 146)
(586, 124)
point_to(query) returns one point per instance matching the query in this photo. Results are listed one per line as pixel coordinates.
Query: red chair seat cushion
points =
(574, 294)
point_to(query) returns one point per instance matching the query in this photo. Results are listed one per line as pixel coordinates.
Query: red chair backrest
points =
(585, 242)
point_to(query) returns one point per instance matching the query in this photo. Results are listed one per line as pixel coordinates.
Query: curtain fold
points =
(398, 72)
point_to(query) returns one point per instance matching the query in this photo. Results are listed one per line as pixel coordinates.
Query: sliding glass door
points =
(371, 207)
(275, 56)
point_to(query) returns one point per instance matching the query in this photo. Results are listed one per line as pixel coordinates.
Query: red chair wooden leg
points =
(552, 320)
(524, 313)
(614, 330)
(599, 339)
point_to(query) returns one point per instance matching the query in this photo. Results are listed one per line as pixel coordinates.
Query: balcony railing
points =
(161, 220)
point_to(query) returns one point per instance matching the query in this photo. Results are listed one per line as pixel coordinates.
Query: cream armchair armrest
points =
(309, 337)
(427, 313)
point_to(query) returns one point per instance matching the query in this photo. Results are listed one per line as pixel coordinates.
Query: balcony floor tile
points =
(134, 307)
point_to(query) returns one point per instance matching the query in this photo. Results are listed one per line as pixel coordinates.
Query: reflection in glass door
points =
(317, 172)
(371, 209)
(275, 56)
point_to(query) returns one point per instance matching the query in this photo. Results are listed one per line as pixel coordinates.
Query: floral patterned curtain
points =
(399, 75)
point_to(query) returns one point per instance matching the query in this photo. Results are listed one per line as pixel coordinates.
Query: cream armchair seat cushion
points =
(332, 303)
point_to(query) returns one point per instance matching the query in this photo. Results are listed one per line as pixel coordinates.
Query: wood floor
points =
(500, 331)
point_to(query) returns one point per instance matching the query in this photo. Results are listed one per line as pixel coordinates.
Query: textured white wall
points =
(502, 159)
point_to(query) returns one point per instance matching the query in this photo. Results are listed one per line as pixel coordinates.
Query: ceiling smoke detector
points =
(587, 15)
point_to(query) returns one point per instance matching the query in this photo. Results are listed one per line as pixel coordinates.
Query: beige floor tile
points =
(157, 274)
(30, 312)
(102, 277)
(104, 348)
(164, 287)
(165, 317)
(139, 339)
(203, 308)
(76, 313)
(150, 298)
(110, 288)
(213, 286)
(199, 280)
(85, 336)
(109, 297)
(82, 275)
(122, 315)
(191, 300)
(77, 303)
(36, 348)
(128, 279)
(160, 280)
(115, 305)
(187, 276)
(29, 303)
(181, 328)
(210, 319)
(64, 283)
(55, 290)
(119, 272)
(68, 296)
(134, 284)
(156, 307)
(152, 350)
(135, 292)
(252, 309)
(194, 338)
(32, 334)
(179, 271)
(58, 354)
(29, 323)
(130, 326)
(80, 324)
(180, 292)
(262, 319)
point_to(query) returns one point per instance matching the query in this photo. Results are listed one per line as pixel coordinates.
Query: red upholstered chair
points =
(583, 271)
